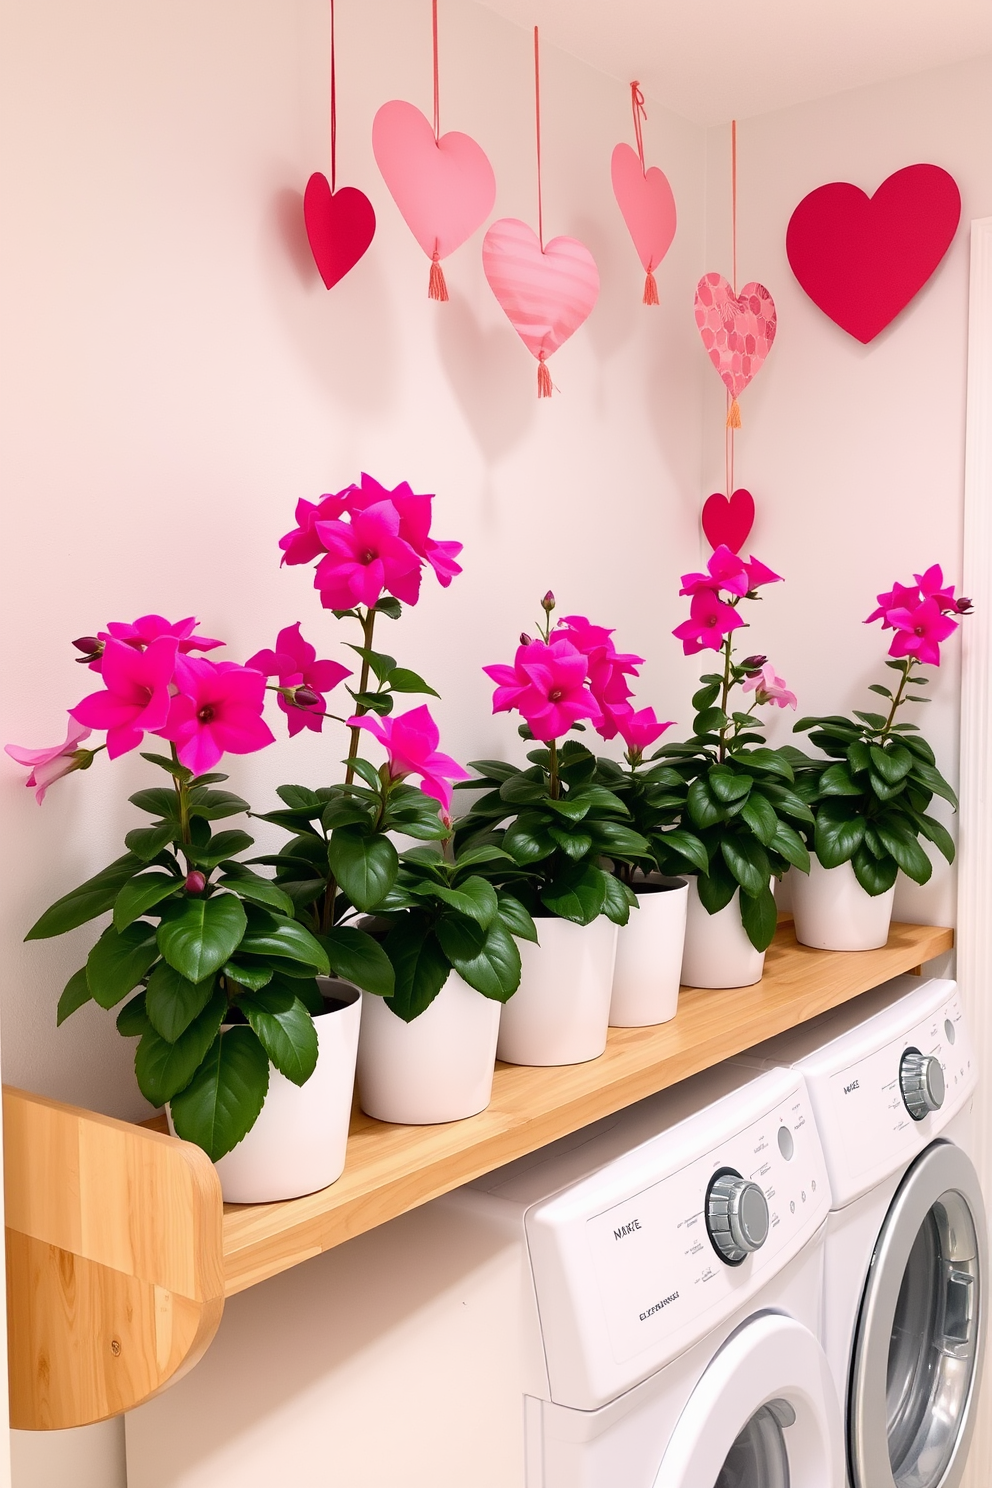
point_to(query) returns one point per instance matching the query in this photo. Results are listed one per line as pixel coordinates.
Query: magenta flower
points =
(140, 633)
(759, 573)
(303, 544)
(637, 730)
(49, 765)
(709, 621)
(294, 662)
(769, 688)
(547, 686)
(415, 527)
(724, 571)
(920, 630)
(608, 667)
(365, 556)
(136, 696)
(411, 740)
(218, 710)
(899, 597)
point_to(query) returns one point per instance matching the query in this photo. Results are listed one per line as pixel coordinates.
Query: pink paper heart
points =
(545, 296)
(444, 188)
(340, 226)
(728, 522)
(737, 330)
(645, 198)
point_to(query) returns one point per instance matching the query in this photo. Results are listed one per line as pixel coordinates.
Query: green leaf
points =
(141, 894)
(907, 852)
(527, 839)
(474, 897)
(224, 845)
(727, 786)
(250, 975)
(368, 773)
(344, 811)
(838, 781)
(931, 777)
(876, 876)
(356, 957)
(759, 916)
(175, 769)
(687, 845)
(373, 702)
(716, 888)
(74, 994)
(748, 862)
(222, 1101)
(163, 1068)
(272, 935)
(616, 840)
(257, 890)
(364, 863)
(147, 842)
(936, 833)
(401, 679)
(493, 969)
(473, 856)
(159, 800)
(575, 845)
(789, 845)
(882, 691)
(92, 898)
(772, 761)
(172, 1002)
(132, 1021)
(524, 789)
(202, 933)
(709, 721)
(761, 817)
(873, 720)
(703, 810)
(619, 901)
(893, 763)
(858, 755)
(515, 918)
(300, 798)
(839, 833)
(388, 606)
(285, 1030)
(380, 663)
(577, 893)
(213, 804)
(420, 966)
(705, 697)
(118, 962)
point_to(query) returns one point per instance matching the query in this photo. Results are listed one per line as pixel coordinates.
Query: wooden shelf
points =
(116, 1235)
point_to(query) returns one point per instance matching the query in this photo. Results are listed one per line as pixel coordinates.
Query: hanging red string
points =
(650, 295)
(543, 375)
(334, 113)
(437, 289)
(733, 408)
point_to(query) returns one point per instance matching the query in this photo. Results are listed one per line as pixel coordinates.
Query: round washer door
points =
(764, 1415)
(921, 1332)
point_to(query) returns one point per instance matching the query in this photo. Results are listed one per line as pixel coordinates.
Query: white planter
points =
(717, 950)
(649, 955)
(298, 1143)
(561, 1011)
(437, 1068)
(834, 913)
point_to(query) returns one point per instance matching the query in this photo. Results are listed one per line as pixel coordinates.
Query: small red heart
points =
(340, 226)
(728, 522)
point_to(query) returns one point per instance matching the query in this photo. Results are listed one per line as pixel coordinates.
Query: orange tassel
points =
(437, 290)
(543, 380)
(650, 290)
(734, 416)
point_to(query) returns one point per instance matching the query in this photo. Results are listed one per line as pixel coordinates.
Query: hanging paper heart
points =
(645, 198)
(547, 294)
(862, 258)
(445, 188)
(737, 331)
(728, 522)
(340, 226)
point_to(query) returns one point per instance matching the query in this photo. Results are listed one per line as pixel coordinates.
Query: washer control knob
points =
(921, 1081)
(736, 1217)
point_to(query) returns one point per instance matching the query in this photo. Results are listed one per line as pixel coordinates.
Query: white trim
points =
(974, 927)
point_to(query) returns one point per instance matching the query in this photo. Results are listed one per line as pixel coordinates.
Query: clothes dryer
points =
(891, 1077)
(634, 1305)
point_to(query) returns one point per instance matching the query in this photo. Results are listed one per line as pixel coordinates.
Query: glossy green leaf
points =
(474, 897)
(221, 1103)
(907, 852)
(223, 845)
(716, 888)
(163, 1068)
(747, 861)
(577, 893)
(838, 834)
(251, 975)
(285, 1030)
(759, 917)
(257, 890)
(515, 918)
(141, 894)
(401, 679)
(574, 843)
(420, 966)
(202, 934)
(273, 935)
(703, 809)
(789, 845)
(726, 785)
(364, 863)
(356, 957)
(838, 781)
(92, 898)
(172, 1002)
(132, 1020)
(619, 901)
(876, 876)
(493, 969)
(688, 846)
(159, 800)
(528, 840)
(931, 777)
(147, 842)
(761, 817)
(213, 804)
(75, 993)
(119, 961)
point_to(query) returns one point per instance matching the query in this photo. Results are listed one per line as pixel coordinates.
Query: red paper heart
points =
(737, 330)
(728, 522)
(862, 258)
(340, 226)
(445, 188)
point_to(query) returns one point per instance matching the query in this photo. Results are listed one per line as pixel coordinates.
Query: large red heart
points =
(737, 330)
(445, 188)
(648, 206)
(728, 522)
(340, 226)
(863, 258)
(546, 294)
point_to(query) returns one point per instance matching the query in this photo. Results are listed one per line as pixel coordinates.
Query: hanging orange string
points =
(733, 410)
(437, 289)
(650, 295)
(334, 113)
(543, 375)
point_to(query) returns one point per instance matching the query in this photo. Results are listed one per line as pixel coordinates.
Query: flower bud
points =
(964, 606)
(753, 663)
(525, 639)
(195, 882)
(548, 602)
(90, 646)
(305, 697)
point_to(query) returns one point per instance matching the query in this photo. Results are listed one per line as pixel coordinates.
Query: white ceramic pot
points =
(834, 913)
(649, 955)
(561, 1011)
(298, 1143)
(437, 1068)
(717, 950)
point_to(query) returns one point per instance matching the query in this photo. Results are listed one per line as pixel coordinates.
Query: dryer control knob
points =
(921, 1081)
(736, 1217)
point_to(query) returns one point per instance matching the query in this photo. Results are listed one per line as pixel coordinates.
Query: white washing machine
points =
(891, 1077)
(635, 1306)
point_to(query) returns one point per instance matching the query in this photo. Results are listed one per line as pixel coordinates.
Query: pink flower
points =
(919, 631)
(136, 697)
(709, 621)
(608, 667)
(303, 544)
(410, 740)
(759, 573)
(294, 663)
(637, 730)
(49, 765)
(898, 597)
(546, 685)
(141, 633)
(724, 571)
(769, 688)
(365, 556)
(218, 709)
(415, 526)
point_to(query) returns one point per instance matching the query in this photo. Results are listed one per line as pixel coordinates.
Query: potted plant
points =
(558, 824)
(869, 795)
(220, 978)
(741, 799)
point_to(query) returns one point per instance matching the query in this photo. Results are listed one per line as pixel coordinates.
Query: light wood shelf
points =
(116, 1234)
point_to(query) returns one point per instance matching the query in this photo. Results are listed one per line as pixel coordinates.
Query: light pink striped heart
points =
(737, 330)
(546, 295)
